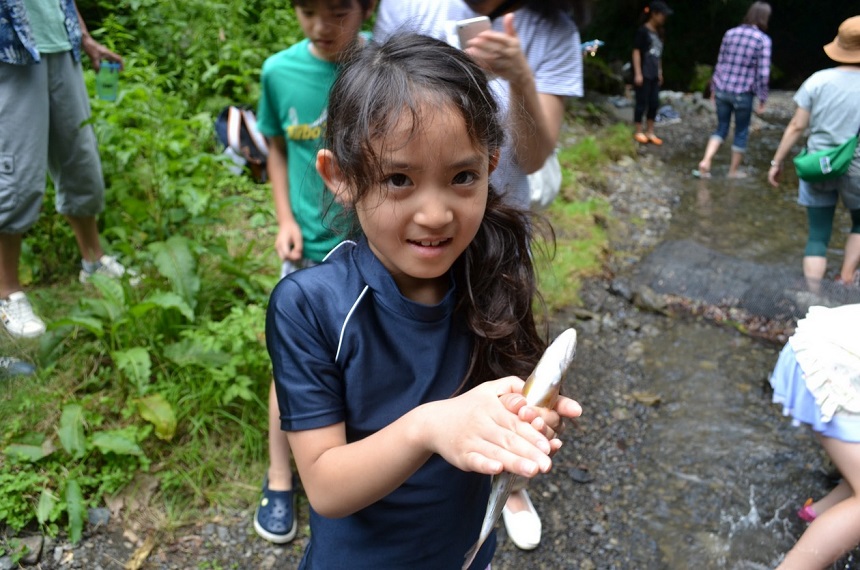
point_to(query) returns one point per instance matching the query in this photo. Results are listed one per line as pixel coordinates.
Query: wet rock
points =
(646, 298)
(580, 475)
(622, 287)
(597, 529)
(32, 546)
(634, 351)
(98, 517)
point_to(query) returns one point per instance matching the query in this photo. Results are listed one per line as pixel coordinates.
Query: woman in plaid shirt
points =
(741, 74)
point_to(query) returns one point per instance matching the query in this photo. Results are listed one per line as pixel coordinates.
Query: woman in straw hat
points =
(817, 376)
(827, 103)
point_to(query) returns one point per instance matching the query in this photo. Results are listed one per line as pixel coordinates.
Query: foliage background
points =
(167, 379)
(694, 31)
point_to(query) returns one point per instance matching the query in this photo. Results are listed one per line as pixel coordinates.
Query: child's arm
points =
(288, 244)
(476, 431)
(637, 67)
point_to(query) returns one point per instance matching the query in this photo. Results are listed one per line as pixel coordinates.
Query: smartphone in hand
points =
(471, 27)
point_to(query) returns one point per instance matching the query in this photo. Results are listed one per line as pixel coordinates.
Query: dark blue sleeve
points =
(308, 383)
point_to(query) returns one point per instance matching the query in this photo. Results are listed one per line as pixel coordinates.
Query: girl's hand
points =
(638, 80)
(551, 422)
(481, 431)
(501, 52)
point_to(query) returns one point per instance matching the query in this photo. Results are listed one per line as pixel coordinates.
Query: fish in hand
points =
(540, 390)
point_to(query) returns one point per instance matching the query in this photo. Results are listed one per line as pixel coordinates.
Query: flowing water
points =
(725, 472)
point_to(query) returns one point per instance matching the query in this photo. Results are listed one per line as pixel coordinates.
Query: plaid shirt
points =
(17, 45)
(744, 62)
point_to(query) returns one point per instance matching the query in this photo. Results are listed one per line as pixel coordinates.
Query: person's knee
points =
(820, 228)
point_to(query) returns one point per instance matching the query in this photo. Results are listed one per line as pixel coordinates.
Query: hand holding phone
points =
(471, 27)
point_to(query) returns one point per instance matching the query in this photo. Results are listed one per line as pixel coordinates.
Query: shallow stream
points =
(724, 472)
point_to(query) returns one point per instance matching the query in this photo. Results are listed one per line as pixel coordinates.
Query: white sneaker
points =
(19, 318)
(524, 528)
(109, 267)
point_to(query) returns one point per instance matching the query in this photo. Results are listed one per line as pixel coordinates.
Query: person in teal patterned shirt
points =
(44, 101)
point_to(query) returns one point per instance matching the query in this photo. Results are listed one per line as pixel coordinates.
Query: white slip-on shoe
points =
(524, 528)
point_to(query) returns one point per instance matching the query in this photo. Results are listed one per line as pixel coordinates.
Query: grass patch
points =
(579, 253)
(578, 216)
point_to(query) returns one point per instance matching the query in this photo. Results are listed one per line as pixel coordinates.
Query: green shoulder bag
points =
(826, 164)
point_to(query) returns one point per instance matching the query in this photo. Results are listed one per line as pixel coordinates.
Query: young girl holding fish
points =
(398, 360)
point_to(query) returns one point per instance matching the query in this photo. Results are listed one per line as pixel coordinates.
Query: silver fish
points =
(541, 390)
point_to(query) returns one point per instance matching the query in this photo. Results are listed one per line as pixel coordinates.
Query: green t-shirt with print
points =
(293, 100)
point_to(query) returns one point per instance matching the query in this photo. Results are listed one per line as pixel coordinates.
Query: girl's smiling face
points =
(430, 200)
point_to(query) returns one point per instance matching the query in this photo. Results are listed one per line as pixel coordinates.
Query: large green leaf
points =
(158, 411)
(112, 293)
(174, 261)
(136, 364)
(71, 430)
(75, 508)
(193, 352)
(116, 441)
(46, 505)
(31, 453)
(92, 325)
(163, 300)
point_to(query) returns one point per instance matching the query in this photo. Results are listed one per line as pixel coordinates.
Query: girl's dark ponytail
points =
(499, 286)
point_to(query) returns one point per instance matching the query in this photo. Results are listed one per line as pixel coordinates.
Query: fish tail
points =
(502, 485)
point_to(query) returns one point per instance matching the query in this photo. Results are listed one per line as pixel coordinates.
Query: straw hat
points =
(845, 48)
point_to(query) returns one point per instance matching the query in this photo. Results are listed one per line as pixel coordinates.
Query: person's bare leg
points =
(710, 151)
(813, 270)
(10, 257)
(87, 235)
(837, 530)
(852, 258)
(737, 158)
(839, 493)
(814, 266)
(280, 470)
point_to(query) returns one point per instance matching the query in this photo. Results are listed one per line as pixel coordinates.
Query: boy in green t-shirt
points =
(292, 115)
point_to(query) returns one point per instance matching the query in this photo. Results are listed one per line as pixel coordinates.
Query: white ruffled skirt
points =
(817, 376)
